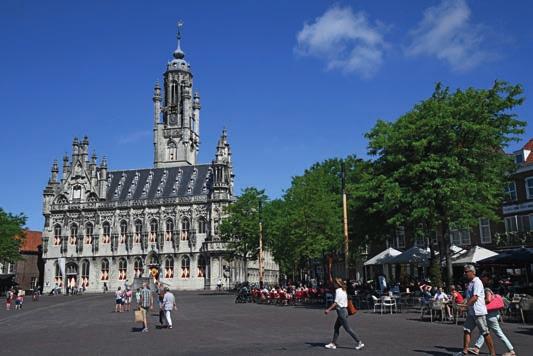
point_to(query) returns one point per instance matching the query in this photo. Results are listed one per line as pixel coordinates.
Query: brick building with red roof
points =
(29, 270)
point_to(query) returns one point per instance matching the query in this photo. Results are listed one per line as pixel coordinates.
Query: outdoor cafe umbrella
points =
(414, 255)
(383, 257)
(473, 255)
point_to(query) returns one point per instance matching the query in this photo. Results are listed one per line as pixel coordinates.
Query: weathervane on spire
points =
(180, 25)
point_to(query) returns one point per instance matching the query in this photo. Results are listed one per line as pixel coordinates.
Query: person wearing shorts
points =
(477, 312)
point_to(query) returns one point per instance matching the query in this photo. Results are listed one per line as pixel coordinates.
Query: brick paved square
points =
(207, 324)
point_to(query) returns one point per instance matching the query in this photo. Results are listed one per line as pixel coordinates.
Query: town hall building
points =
(108, 227)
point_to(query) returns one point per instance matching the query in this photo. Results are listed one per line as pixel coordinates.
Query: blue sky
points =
(294, 82)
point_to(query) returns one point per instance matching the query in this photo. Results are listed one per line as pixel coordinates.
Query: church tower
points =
(177, 121)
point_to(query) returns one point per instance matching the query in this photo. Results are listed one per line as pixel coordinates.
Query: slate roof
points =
(159, 183)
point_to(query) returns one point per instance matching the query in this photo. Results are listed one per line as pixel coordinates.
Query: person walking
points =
(477, 312)
(146, 304)
(169, 304)
(138, 297)
(494, 305)
(9, 299)
(341, 304)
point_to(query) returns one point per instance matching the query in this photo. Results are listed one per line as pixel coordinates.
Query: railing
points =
(214, 246)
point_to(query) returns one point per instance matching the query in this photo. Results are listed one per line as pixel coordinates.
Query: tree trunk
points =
(447, 245)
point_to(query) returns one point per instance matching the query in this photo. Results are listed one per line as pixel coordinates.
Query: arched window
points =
(123, 231)
(185, 226)
(185, 267)
(169, 228)
(138, 267)
(172, 151)
(58, 278)
(153, 230)
(104, 272)
(73, 234)
(89, 233)
(106, 227)
(122, 269)
(169, 267)
(57, 235)
(138, 231)
(84, 273)
(201, 225)
(201, 266)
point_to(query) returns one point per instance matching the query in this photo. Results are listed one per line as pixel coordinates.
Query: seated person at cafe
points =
(456, 296)
(440, 296)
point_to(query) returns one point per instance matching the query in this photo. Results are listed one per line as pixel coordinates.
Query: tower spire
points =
(178, 53)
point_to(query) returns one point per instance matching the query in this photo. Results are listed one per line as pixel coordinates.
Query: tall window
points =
(510, 191)
(138, 267)
(104, 271)
(511, 223)
(85, 273)
(106, 238)
(172, 151)
(400, 237)
(57, 235)
(123, 231)
(58, 278)
(185, 267)
(138, 231)
(122, 269)
(153, 230)
(201, 225)
(76, 193)
(185, 226)
(201, 266)
(460, 237)
(169, 267)
(73, 234)
(484, 231)
(89, 233)
(529, 187)
(169, 227)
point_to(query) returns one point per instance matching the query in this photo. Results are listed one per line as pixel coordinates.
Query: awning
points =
(383, 257)
(517, 256)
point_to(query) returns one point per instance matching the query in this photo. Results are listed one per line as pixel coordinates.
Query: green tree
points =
(11, 236)
(442, 164)
(240, 229)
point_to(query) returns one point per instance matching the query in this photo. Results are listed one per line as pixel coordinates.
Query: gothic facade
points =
(108, 227)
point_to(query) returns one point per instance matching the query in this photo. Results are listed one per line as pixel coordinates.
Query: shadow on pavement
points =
(322, 345)
(136, 329)
(525, 331)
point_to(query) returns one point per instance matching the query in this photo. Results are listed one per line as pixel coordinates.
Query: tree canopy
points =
(11, 236)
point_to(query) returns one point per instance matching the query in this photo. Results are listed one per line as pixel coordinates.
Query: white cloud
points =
(344, 40)
(447, 33)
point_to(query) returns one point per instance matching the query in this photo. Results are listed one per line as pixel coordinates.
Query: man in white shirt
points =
(477, 311)
(168, 304)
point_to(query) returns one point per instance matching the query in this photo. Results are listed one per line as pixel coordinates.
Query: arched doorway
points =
(154, 264)
(71, 271)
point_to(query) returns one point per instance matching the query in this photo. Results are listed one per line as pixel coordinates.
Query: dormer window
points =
(76, 193)
(519, 158)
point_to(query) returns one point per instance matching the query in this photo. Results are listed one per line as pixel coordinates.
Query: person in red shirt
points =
(457, 297)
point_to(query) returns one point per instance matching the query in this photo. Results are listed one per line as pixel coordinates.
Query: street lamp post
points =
(260, 246)
(345, 223)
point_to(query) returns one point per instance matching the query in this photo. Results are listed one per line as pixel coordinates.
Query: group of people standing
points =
(14, 296)
(145, 303)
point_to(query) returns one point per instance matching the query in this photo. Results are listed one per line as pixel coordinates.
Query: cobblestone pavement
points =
(207, 324)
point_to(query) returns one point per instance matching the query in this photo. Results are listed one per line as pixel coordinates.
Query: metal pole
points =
(260, 246)
(345, 216)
